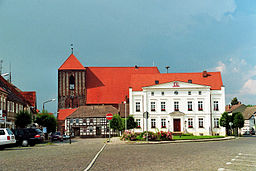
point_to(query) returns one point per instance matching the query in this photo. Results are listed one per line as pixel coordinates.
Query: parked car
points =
(56, 136)
(28, 136)
(65, 137)
(6, 137)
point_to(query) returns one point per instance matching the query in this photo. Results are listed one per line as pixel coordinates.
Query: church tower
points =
(71, 84)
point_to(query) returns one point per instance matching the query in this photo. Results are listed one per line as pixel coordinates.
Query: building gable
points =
(177, 85)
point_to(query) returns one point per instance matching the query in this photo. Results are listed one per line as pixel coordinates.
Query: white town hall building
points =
(178, 102)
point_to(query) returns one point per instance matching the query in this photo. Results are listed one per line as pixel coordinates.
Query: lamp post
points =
(51, 100)
(125, 115)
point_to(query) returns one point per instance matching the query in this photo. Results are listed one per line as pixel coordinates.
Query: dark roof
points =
(93, 111)
(229, 108)
(12, 93)
(241, 108)
(248, 112)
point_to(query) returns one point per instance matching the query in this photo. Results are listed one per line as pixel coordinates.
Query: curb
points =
(179, 141)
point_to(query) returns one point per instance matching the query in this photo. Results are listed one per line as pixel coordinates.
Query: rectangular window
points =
(201, 122)
(138, 123)
(152, 93)
(162, 93)
(176, 106)
(189, 105)
(216, 106)
(216, 123)
(153, 106)
(137, 106)
(153, 123)
(200, 105)
(190, 122)
(162, 106)
(189, 92)
(163, 123)
(200, 92)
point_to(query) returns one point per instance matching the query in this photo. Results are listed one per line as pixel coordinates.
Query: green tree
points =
(23, 119)
(46, 120)
(131, 123)
(117, 123)
(234, 101)
(238, 121)
(224, 121)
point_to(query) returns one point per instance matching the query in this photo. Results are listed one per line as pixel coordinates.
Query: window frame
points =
(190, 106)
(176, 106)
(153, 109)
(200, 106)
(200, 122)
(190, 123)
(163, 106)
(153, 123)
(163, 123)
(137, 106)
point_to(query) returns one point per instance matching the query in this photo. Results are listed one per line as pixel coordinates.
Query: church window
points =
(71, 82)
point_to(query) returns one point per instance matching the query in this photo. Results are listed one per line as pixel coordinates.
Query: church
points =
(101, 89)
(177, 102)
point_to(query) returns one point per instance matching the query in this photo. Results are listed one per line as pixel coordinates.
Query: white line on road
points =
(94, 159)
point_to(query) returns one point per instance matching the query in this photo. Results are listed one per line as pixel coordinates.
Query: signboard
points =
(109, 116)
(176, 84)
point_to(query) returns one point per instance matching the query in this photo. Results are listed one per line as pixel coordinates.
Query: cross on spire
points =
(72, 49)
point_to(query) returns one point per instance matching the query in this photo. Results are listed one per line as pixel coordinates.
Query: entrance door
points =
(98, 131)
(176, 123)
(77, 131)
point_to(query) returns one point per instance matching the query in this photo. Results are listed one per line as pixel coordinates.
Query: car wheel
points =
(32, 144)
(24, 143)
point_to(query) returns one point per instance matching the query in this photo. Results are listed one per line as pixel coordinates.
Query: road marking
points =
(94, 159)
(228, 163)
(223, 169)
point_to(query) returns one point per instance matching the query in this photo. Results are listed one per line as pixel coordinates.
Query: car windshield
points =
(38, 131)
(9, 131)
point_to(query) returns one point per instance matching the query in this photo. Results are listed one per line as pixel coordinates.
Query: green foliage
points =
(117, 123)
(131, 123)
(22, 119)
(159, 136)
(46, 120)
(234, 101)
(238, 121)
(225, 119)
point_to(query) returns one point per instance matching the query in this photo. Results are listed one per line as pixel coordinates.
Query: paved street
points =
(239, 154)
(183, 156)
(61, 156)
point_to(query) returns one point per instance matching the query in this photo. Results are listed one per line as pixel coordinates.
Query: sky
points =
(189, 36)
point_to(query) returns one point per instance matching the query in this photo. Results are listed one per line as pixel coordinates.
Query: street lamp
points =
(125, 115)
(51, 100)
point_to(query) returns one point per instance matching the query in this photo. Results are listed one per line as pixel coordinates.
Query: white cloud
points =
(221, 67)
(249, 87)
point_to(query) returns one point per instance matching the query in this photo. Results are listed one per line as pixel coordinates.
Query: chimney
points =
(205, 74)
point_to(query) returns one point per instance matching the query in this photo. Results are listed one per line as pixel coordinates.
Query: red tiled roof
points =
(110, 85)
(63, 113)
(143, 80)
(72, 63)
(1, 89)
(30, 96)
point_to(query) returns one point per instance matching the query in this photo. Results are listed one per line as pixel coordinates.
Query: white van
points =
(6, 137)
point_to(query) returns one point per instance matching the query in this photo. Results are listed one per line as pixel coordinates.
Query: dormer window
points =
(71, 82)
(189, 81)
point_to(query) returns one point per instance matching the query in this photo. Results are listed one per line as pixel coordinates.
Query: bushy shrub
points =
(159, 136)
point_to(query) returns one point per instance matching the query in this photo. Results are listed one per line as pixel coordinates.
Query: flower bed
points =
(158, 136)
